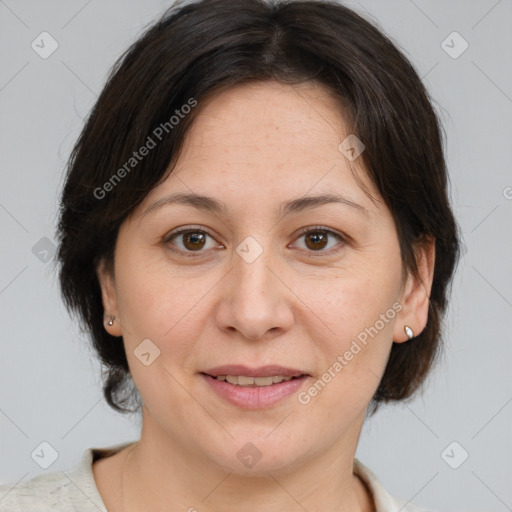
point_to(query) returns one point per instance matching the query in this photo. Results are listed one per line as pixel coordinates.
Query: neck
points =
(158, 472)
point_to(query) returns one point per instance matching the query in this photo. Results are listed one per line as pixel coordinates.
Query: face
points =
(315, 289)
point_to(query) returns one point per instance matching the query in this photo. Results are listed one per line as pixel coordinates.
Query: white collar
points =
(384, 502)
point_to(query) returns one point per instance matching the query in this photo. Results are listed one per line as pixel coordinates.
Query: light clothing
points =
(76, 491)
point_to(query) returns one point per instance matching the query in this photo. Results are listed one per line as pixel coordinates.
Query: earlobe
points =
(409, 332)
(416, 298)
(109, 299)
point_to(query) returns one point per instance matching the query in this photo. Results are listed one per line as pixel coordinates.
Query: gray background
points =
(50, 380)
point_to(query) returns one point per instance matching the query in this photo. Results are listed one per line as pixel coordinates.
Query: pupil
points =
(194, 237)
(313, 241)
(317, 237)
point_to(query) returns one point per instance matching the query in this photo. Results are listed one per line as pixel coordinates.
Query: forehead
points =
(267, 142)
(266, 116)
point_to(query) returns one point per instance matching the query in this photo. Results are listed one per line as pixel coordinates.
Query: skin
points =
(253, 147)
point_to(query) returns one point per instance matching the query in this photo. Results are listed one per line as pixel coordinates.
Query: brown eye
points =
(316, 239)
(189, 240)
(193, 240)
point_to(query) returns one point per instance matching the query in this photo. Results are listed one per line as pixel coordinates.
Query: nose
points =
(255, 300)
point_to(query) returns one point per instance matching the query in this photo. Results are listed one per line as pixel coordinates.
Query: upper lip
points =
(262, 371)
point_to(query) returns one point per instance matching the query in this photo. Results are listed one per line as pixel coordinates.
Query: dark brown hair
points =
(199, 48)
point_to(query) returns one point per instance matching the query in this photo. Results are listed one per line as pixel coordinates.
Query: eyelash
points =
(304, 231)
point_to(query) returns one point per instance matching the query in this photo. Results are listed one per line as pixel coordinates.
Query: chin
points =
(258, 455)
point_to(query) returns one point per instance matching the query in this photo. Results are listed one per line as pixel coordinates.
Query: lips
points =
(263, 371)
(254, 397)
(249, 388)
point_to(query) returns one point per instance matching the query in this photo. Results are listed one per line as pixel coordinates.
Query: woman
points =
(255, 229)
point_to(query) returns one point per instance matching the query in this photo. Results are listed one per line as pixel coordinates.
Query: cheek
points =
(359, 314)
(158, 307)
(157, 303)
(348, 305)
(151, 298)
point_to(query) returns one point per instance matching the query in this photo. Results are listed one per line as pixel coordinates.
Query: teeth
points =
(243, 380)
(231, 379)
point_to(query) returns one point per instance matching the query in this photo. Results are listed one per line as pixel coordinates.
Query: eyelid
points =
(178, 231)
(316, 228)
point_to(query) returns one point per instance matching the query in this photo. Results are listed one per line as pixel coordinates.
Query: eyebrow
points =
(210, 204)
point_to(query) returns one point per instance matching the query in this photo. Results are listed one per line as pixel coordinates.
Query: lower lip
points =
(254, 397)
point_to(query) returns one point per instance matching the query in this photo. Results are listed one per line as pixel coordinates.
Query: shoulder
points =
(384, 501)
(50, 491)
(70, 491)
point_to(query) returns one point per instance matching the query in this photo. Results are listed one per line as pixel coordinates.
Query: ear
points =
(109, 299)
(415, 298)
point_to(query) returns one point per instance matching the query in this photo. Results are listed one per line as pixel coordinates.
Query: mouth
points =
(253, 382)
(254, 388)
(240, 375)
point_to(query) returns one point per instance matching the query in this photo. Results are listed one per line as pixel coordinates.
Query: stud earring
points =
(408, 332)
(111, 321)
